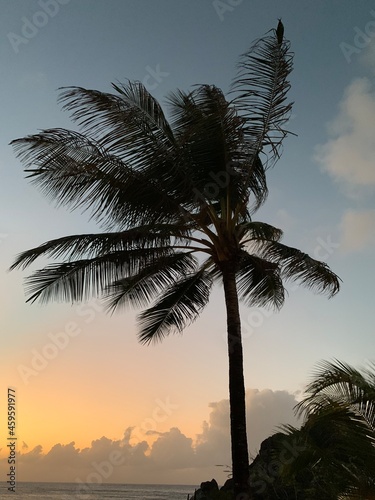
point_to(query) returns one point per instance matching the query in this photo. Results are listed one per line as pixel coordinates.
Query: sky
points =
(92, 403)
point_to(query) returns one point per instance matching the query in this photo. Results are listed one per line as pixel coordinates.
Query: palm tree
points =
(338, 434)
(167, 192)
(336, 382)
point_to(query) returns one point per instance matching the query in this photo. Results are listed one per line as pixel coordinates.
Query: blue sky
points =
(321, 195)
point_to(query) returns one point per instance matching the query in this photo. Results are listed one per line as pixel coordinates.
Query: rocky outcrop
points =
(209, 490)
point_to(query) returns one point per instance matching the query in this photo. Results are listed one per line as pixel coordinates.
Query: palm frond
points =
(73, 170)
(250, 180)
(210, 137)
(119, 121)
(139, 98)
(335, 452)
(299, 266)
(339, 422)
(258, 231)
(208, 133)
(259, 282)
(78, 280)
(132, 125)
(176, 308)
(261, 88)
(96, 245)
(142, 288)
(339, 382)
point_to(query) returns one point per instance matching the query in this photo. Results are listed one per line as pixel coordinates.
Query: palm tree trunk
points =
(240, 455)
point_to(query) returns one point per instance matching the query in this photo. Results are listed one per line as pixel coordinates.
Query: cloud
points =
(172, 458)
(266, 411)
(173, 450)
(213, 444)
(357, 230)
(32, 456)
(349, 156)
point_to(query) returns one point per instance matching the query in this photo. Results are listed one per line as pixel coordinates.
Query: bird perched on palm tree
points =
(166, 191)
(280, 32)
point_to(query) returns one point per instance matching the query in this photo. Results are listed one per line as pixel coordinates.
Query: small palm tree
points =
(338, 435)
(338, 383)
(166, 192)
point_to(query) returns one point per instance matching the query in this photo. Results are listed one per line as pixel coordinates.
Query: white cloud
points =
(172, 458)
(266, 411)
(173, 450)
(357, 230)
(349, 156)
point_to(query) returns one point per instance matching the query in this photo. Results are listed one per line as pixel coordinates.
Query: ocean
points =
(69, 491)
